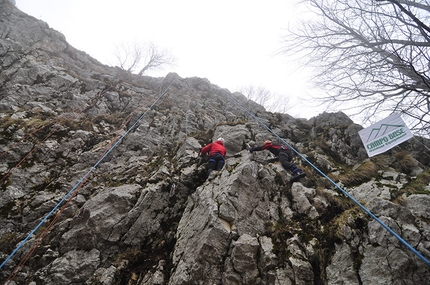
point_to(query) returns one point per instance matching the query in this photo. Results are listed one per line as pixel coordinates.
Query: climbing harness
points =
(331, 181)
(72, 194)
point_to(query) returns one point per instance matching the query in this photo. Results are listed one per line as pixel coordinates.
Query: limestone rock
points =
(124, 185)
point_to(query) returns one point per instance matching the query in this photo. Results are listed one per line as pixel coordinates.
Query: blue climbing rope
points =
(85, 176)
(331, 181)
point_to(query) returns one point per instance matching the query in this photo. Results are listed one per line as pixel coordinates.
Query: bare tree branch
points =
(156, 58)
(371, 54)
(270, 101)
(131, 57)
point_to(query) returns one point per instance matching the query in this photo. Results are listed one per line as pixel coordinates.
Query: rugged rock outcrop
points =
(115, 158)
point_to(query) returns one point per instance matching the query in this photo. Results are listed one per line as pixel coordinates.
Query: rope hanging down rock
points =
(71, 194)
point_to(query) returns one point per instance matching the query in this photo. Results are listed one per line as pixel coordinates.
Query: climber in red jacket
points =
(217, 154)
(284, 156)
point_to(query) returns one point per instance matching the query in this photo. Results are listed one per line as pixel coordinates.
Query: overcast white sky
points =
(231, 43)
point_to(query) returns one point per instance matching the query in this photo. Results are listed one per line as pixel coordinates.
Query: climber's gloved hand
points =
(250, 149)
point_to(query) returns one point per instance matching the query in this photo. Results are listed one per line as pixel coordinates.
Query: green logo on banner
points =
(386, 134)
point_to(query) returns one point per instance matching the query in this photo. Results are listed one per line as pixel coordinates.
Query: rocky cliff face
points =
(114, 157)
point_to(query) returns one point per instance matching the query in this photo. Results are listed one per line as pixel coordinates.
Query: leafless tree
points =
(139, 58)
(371, 56)
(271, 101)
(259, 95)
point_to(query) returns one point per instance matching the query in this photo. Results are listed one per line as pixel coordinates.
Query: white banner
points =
(384, 135)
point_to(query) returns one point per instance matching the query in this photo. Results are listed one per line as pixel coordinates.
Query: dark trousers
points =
(215, 162)
(285, 157)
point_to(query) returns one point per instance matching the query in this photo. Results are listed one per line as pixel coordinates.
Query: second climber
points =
(284, 156)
